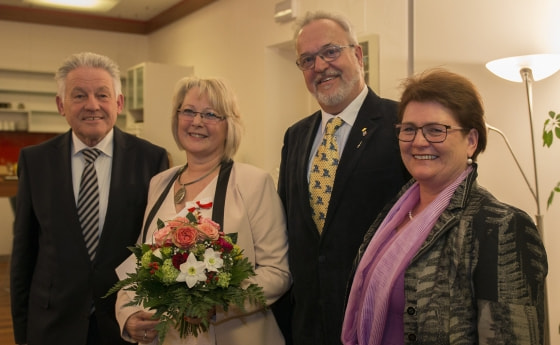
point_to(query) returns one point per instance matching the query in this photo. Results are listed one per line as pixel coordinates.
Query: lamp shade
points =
(542, 66)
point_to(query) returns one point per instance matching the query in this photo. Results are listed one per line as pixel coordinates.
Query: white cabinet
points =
(149, 92)
(39, 121)
(28, 102)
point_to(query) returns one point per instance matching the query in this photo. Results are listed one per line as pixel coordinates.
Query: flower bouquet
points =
(191, 268)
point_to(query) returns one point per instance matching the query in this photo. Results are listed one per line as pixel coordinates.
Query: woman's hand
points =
(140, 327)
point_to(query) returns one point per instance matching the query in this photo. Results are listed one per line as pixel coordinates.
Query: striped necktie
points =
(323, 170)
(88, 202)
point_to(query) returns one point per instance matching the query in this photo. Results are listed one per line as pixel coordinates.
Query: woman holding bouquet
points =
(241, 198)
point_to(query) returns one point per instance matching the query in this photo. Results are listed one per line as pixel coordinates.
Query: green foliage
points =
(551, 129)
(157, 285)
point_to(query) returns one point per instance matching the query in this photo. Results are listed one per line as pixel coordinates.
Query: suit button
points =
(322, 259)
(411, 311)
(412, 337)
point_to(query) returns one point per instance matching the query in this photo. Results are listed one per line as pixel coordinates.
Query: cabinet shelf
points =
(38, 121)
(29, 92)
(31, 95)
(30, 72)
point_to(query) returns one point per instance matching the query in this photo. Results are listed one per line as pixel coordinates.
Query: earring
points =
(469, 161)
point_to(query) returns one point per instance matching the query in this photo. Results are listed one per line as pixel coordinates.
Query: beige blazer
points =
(253, 210)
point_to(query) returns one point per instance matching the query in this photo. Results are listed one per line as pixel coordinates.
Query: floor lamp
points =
(528, 69)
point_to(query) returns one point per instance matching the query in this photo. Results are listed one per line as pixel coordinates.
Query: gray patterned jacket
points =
(479, 276)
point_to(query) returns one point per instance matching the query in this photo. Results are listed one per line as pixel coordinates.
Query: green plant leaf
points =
(547, 138)
(551, 128)
(551, 195)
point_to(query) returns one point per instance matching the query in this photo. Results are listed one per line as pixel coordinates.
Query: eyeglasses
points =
(433, 132)
(328, 54)
(206, 117)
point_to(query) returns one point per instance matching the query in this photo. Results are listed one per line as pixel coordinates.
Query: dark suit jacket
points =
(369, 174)
(53, 282)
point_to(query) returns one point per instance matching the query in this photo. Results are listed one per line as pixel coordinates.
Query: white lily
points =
(212, 260)
(192, 271)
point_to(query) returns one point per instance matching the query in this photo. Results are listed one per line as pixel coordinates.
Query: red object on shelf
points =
(12, 142)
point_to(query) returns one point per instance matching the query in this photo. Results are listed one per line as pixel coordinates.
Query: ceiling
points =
(131, 16)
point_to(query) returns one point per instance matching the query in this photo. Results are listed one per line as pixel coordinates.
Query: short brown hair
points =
(454, 92)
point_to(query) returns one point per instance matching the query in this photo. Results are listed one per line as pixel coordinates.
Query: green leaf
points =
(556, 189)
(191, 217)
(233, 237)
(550, 199)
(160, 224)
(121, 284)
(547, 138)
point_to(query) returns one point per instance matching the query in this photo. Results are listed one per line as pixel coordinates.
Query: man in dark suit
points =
(369, 173)
(57, 280)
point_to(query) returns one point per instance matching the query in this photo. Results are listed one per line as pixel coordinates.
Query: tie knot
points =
(333, 125)
(90, 155)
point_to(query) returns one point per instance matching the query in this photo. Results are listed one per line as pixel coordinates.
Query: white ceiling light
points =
(87, 5)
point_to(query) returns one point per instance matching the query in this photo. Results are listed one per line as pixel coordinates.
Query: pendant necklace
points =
(180, 195)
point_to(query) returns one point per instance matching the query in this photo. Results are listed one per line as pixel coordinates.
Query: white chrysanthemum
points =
(212, 260)
(192, 271)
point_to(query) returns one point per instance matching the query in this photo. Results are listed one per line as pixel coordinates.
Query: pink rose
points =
(185, 236)
(209, 221)
(162, 237)
(209, 231)
(178, 221)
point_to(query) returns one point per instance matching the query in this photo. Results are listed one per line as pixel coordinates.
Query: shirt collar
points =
(105, 145)
(349, 114)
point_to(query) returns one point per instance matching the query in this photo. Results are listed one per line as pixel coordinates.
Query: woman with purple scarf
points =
(446, 262)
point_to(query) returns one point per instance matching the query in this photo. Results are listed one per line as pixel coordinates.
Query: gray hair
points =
(87, 59)
(337, 18)
(222, 99)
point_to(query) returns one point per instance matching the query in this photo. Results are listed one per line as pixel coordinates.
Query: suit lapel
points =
(61, 192)
(59, 173)
(305, 140)
(120, 161)
(361, 134)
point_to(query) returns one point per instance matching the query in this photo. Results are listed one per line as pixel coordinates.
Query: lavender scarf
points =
(385, 259)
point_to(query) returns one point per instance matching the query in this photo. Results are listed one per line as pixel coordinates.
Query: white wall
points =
(44, 47)
(238, 40)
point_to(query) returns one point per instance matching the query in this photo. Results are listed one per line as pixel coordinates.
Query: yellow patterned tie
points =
(323, 170)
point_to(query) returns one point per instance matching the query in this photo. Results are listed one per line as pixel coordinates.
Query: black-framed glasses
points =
(433, 132)
(328, 54)
(206, 116)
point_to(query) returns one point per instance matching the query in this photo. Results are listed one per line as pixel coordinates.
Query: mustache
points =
(326, 74)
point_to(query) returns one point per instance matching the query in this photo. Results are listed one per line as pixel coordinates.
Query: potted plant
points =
(551, 129)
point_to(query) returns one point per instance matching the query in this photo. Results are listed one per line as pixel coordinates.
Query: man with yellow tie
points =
(339, 167)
